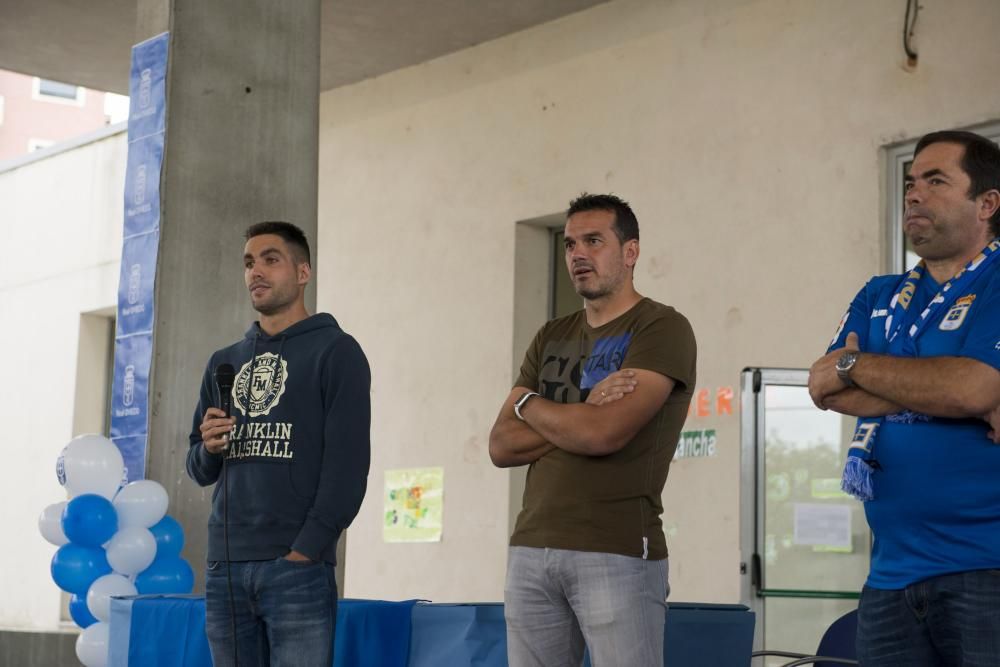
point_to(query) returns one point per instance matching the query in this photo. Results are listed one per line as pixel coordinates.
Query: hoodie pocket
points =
(261, 496)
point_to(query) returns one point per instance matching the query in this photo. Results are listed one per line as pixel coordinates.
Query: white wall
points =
(61, 219)
(747, 136)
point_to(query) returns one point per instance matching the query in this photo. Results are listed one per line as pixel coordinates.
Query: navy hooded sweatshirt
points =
(299, 455)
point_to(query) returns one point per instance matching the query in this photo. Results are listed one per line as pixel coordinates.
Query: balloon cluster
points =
(113, 538)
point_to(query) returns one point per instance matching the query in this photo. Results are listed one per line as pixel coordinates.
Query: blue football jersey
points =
(937, 495)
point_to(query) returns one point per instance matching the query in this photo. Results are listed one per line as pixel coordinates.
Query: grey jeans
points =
(557, 601)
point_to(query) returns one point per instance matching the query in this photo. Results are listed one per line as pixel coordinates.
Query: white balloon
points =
(141, 503)
(131, 550)
(90, 464)
(92, 645)
(50, 524)
(100, 592)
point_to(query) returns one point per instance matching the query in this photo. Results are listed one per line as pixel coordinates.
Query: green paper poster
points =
(414, 503)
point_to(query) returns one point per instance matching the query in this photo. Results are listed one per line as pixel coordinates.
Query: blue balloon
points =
(74, 567)
(89, 520)
(79, 612)
(166, 575)
(169, 537)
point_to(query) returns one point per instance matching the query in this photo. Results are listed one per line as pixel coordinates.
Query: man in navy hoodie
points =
(296, 453)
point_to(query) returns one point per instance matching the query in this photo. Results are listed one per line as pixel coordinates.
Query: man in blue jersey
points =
(917, 360)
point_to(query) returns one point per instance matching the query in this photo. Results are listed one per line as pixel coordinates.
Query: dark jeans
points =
(286, 613)
(951, 621)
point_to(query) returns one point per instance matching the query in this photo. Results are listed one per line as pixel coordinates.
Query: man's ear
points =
(631, 252)
(305, 272)
(989, 202)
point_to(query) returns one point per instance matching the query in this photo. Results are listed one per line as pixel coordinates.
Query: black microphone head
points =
(225, 374)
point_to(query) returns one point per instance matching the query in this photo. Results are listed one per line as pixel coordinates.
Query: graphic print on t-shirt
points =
(256, 395)
(605, 358)
(568, 373)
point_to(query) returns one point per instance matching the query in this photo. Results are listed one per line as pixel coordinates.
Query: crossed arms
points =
(950, 387)
(615, 411)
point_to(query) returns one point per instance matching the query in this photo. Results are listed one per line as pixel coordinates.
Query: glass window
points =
(57, 89)
(47, 90)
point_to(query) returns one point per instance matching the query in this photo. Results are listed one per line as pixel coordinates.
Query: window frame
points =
(37, 94)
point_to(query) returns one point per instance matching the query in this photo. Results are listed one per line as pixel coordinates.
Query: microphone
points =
(224, 376)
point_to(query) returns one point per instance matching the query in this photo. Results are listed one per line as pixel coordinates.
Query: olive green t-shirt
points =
(608, 503)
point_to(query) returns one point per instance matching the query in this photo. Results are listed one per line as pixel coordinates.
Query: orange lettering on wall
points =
(702, 409)
(702, 406)
(724, 401)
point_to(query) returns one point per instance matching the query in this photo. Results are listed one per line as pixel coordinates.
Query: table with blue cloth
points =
(169, 631)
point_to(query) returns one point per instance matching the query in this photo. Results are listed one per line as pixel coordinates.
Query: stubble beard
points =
(273, 306)
(604, 288)
(592, 294)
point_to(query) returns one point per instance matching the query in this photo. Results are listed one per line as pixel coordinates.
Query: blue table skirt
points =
(169, 631)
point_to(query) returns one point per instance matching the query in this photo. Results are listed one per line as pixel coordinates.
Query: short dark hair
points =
(291, 234)
(626, 226)
(980, 162)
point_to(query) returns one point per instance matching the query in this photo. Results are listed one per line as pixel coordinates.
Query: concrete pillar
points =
(241, 146)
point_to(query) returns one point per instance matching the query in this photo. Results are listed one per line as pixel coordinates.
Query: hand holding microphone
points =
(215, 430)
(217, 424)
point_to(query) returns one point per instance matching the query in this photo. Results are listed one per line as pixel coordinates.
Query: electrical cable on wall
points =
(909, 25)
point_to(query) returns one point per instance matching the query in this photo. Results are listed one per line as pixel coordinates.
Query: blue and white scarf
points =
(861, 463)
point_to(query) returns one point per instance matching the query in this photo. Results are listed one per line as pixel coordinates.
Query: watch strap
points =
(844, 366)
(522, 401)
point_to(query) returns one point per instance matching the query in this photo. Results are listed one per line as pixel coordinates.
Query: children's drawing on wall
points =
(414, 503)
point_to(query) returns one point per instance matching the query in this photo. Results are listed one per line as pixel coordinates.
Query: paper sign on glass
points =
(825, 525)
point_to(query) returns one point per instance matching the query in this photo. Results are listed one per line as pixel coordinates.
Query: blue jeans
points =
(951, 620)
(557, 601)
(286, 613)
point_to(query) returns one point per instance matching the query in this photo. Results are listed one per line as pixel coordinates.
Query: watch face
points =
(846, 362)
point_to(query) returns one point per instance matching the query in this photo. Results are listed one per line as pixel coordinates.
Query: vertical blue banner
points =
(131, 385)
(135, 284)
(140, 246)
(147, 88)
(142, 184)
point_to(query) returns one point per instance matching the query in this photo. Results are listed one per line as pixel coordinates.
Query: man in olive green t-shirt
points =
(596, 412)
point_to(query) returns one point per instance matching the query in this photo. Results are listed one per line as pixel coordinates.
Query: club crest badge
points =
(953, 318)
(260, 384)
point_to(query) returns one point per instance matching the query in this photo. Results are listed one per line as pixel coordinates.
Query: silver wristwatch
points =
(521, 401)
(845, 364)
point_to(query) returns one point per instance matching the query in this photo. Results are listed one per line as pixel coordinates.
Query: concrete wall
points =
(234, 155)
(747, 136)
(62, 219)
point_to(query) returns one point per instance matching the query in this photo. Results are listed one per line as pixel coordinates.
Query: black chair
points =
(835, 648)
